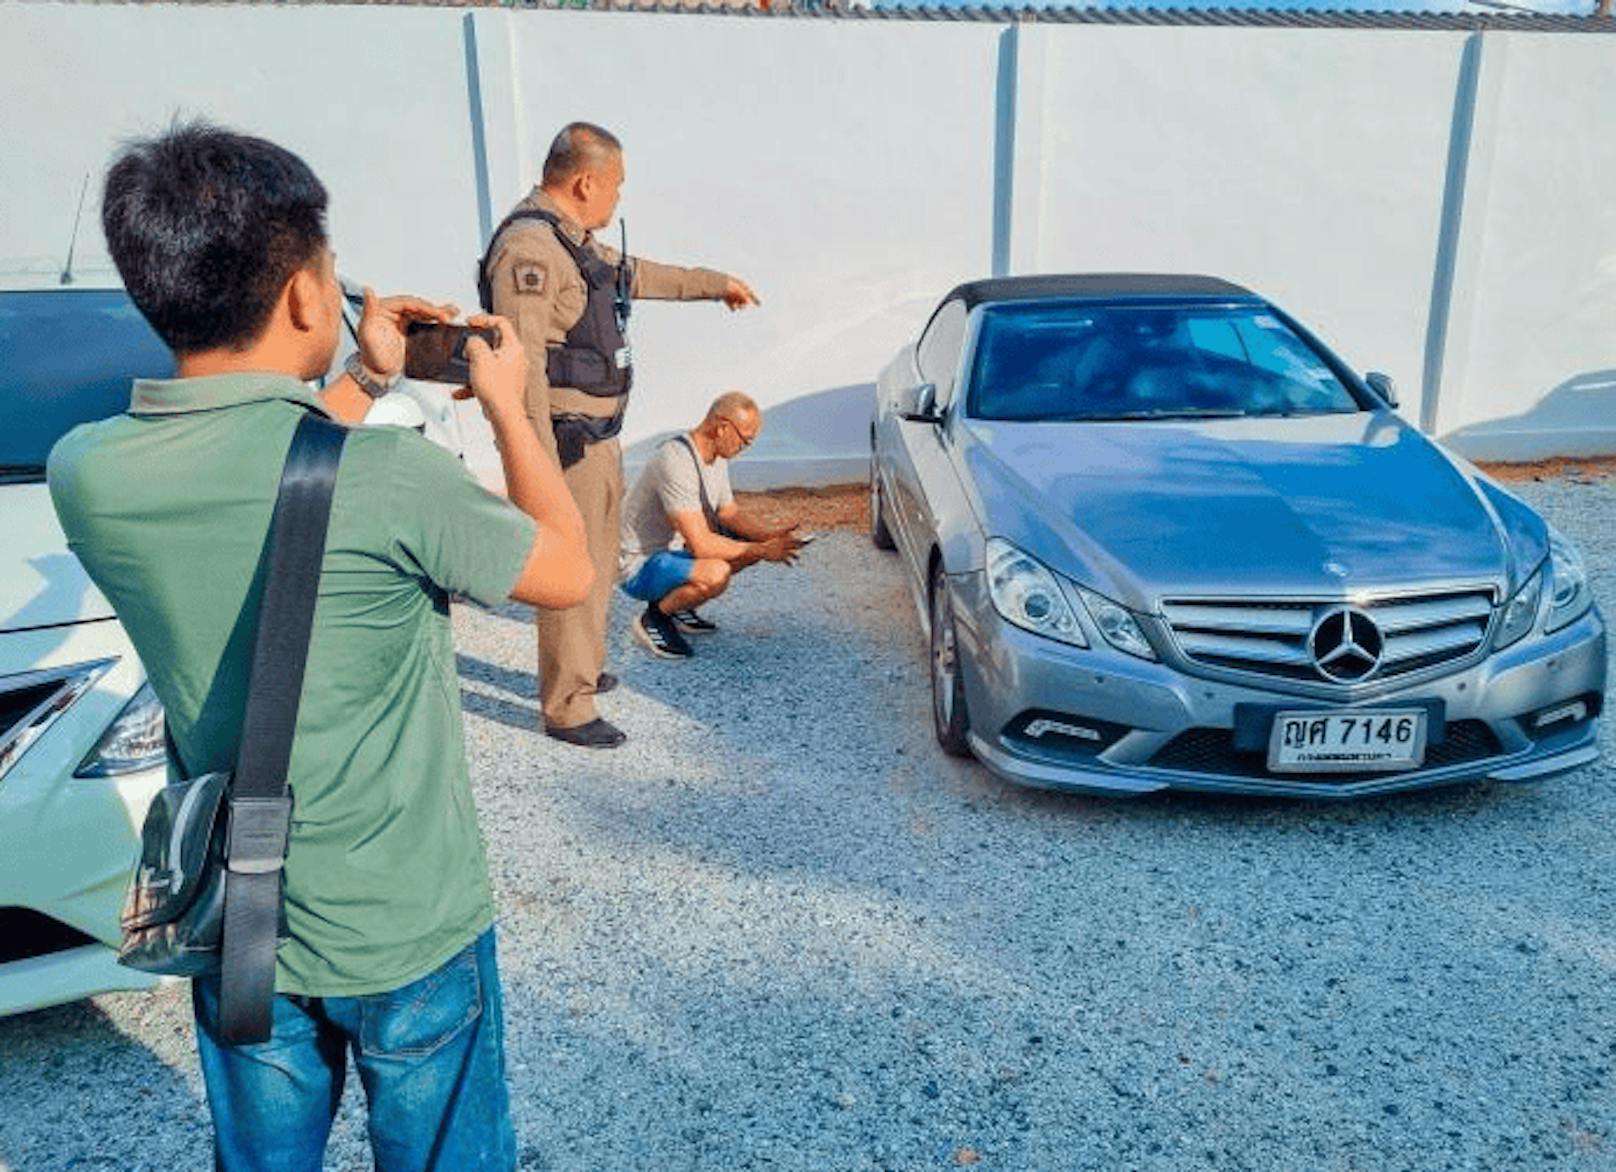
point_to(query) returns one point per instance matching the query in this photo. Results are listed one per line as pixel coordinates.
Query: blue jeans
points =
(431, 1057)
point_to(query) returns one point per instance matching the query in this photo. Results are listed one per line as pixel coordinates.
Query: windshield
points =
(1048, 362)
(67, 356)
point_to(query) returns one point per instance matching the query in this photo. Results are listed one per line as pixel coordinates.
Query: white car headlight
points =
(132, 742)
(1118, 626)
(1025, 592)
(1520, 612)
(1570, 597)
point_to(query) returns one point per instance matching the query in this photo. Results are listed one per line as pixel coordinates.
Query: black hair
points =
(578, 147)
(206, 227)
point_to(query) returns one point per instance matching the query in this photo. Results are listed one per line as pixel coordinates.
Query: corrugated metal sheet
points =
(987, 14)
(1206, 17)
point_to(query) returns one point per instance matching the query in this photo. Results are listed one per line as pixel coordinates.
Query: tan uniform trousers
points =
(572, 643)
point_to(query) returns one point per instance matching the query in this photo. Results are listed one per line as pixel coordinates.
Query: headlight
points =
(1520, 612)
(132, 742)
(1570, 597)
(1026, 593)
(1117, 625)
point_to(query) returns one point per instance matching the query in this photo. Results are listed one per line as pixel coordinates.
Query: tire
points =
(949, 719)
(880, 535)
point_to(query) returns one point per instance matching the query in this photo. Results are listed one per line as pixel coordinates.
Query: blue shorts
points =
(661, 575)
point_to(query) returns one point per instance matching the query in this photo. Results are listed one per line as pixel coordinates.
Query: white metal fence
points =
(1436, 204)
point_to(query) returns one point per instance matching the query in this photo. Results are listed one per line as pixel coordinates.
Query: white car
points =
(81, 734)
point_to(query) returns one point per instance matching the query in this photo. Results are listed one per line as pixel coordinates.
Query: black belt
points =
(574, 433)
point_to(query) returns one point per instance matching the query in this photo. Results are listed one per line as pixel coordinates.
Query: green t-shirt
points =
(168, 508)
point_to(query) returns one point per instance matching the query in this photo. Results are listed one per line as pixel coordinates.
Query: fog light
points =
(1575, 712)
(1039, 728)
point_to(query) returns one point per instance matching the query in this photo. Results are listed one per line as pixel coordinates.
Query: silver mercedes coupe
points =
(1161, 537)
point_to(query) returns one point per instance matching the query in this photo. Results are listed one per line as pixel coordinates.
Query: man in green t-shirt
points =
(221, 243)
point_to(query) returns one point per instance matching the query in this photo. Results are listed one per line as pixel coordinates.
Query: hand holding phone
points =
(497, 374)
(436, 351)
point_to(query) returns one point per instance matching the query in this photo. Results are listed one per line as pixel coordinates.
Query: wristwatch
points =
(355, 369)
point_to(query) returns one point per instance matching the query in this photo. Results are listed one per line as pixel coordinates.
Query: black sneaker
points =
(658, 634)
(692, 623)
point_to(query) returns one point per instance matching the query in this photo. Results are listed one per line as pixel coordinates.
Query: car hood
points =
(1321, 505)
(41, 583)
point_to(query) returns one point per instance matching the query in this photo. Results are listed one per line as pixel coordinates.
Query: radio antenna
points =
(625, 278)
(72, 243)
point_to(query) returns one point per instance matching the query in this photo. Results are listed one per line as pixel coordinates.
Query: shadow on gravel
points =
(69, 1071)
(522, 717)
(516, 709)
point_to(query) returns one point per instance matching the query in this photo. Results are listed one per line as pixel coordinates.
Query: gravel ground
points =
(780, 930)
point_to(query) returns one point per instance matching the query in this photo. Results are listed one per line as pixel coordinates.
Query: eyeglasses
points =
(746, 440)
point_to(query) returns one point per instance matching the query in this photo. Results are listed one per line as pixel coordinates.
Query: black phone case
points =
(437, 353)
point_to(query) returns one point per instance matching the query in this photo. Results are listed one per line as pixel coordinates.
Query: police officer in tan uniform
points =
(569, 297)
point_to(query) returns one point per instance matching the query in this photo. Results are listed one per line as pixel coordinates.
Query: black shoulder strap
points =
(260, 808)
(701, 481)
(485, 288)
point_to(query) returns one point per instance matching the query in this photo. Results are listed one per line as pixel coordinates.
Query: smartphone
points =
(436, 353)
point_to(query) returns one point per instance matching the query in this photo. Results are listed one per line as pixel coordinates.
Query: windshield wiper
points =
(13, 472)
(1186, 413)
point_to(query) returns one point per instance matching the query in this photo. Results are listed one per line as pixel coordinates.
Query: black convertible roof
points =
(975, 293)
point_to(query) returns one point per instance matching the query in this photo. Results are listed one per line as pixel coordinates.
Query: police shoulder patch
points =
(530, 278)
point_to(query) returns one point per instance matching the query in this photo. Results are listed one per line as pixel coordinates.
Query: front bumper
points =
(1163, 728)
(68, 844)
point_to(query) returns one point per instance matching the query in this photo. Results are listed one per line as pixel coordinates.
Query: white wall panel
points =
(853, 171)
(1533, 361)
(374, 99)
(1307, 165)
(845, 170)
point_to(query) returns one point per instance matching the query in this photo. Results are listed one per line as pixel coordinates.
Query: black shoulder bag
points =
(206, 896)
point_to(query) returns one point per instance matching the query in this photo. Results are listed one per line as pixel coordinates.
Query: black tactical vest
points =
(594, 357)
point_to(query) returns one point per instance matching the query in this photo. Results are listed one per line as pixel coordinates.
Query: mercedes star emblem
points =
(1346, 645)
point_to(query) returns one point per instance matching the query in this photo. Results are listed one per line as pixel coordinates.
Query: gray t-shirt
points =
(667, 486)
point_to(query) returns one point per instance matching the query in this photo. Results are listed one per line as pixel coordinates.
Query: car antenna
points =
(72, 243)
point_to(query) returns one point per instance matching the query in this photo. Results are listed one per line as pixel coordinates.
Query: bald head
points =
(736, 406)
(580, 147)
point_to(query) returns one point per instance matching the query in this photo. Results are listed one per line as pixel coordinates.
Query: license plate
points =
(1347, 742)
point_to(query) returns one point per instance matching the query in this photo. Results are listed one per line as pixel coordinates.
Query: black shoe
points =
(604, 683)
(692, 623)
(597, 734)
(658, 634)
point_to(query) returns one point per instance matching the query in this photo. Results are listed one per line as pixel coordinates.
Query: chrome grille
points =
(1271, 637)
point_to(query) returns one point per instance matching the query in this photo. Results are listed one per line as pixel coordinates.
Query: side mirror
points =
(1383, 386)
(924, 409)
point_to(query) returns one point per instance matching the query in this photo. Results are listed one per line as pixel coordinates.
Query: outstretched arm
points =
(655, 281)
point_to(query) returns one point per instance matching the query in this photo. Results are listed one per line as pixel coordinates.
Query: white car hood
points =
(41, 583)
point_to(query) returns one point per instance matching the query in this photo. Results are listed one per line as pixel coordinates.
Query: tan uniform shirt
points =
(539, 289)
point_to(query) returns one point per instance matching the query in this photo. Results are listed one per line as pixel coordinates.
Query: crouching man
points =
(685, 492)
